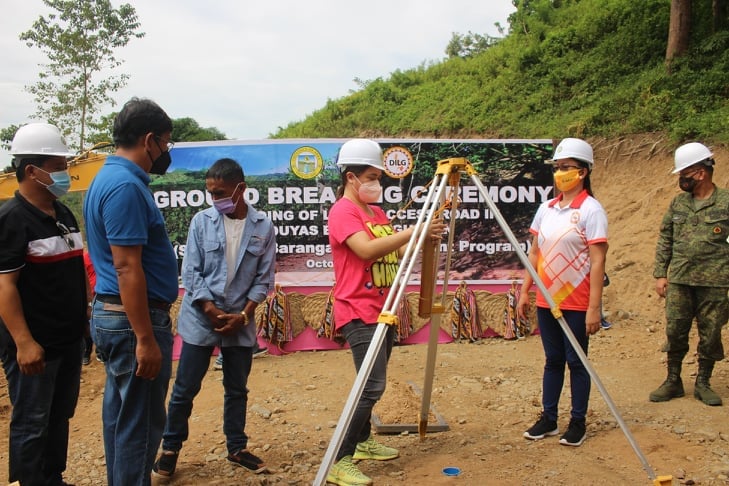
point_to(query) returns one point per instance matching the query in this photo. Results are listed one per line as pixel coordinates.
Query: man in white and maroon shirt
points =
(43, 304)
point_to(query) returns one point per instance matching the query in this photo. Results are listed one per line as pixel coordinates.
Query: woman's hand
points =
(522, 306)
(592, 320)
(437, 229)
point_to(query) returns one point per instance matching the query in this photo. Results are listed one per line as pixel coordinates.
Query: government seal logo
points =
(306, 162)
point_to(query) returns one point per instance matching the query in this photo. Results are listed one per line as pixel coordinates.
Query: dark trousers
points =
(43, 404)
(359, 336)
(559, 352)
(191, 369)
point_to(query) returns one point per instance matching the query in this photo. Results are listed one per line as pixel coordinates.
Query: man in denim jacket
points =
(228, 269)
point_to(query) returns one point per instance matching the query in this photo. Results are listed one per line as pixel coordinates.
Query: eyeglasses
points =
(690, 174)
(169, 143)
(564, 167)
(66, 234)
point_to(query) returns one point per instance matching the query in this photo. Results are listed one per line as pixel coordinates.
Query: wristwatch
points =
(245, 317)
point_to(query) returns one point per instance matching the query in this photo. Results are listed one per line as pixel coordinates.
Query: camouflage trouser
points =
(710, 307)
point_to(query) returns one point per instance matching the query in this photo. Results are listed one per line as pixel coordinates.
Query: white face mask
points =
(369, 192)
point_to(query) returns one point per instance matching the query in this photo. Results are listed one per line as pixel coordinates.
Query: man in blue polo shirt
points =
(136, 281)
(43, 293)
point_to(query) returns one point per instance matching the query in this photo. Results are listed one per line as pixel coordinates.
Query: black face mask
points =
(161, 163)
(687, 183)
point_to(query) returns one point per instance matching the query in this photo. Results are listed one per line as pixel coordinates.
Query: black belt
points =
(115, 299)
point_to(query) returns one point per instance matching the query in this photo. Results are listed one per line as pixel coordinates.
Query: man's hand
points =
(233, 323)
(31, 358)
(149, 358)
(213, 314)
(661, 286)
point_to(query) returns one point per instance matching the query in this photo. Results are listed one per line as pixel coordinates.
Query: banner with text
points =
(295, 181)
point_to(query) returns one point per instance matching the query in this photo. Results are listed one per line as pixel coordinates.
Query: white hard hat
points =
(690, 154)
(39, 139)
(573, 148)
(361, 151)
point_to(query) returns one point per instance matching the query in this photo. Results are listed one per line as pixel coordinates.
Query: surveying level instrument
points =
(448, 174)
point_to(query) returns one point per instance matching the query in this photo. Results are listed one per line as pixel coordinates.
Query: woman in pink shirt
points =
(365, 251)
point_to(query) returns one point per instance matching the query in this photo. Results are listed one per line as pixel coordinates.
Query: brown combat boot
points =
(702, 388)
(672, 387)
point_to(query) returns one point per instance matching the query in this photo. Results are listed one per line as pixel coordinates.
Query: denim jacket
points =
(204, 273)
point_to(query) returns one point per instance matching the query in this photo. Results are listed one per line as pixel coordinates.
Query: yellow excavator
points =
(82, 169)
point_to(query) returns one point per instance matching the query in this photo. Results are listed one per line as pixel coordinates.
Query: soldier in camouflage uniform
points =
(692, 258)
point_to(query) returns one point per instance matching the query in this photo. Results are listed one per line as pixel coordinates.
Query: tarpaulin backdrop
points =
(295, 182)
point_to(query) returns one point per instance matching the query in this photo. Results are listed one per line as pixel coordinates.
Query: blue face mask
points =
(61, 182)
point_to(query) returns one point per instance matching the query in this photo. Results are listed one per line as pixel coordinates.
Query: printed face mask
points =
(61, 182)
(566, 180)
(369, 192)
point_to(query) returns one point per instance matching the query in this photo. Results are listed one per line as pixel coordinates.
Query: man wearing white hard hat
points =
(43, 303)
(692, 257)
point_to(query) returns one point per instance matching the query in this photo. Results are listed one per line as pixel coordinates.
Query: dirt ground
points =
(487, 393)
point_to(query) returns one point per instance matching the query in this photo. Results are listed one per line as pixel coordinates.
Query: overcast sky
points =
(248, 67)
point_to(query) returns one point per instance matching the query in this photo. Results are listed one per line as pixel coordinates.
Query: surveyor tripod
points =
(448, 174)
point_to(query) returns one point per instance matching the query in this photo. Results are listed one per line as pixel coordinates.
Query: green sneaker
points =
(371, 449)
(345, 473)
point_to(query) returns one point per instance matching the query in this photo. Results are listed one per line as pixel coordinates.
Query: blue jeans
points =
(558, 352)
(194, 363)
(359, 336)
(42, 407)
(133, 408)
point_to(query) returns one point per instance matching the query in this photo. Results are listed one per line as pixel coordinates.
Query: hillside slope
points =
(633, 182)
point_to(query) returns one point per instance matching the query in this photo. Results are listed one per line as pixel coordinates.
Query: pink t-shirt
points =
(361, 286)
(563, 238)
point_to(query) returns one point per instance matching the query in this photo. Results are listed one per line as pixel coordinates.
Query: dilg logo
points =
(398, 162)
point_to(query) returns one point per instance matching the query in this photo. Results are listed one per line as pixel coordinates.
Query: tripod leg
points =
(429, 373)
(436, 312)
(563, 324)
(393, 299)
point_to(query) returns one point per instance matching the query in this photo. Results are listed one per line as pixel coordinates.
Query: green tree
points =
(79, 39)
(103, 128)
(189, 130)
(685, 23)
(183, 130)
(469, 45)
(6, 136)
